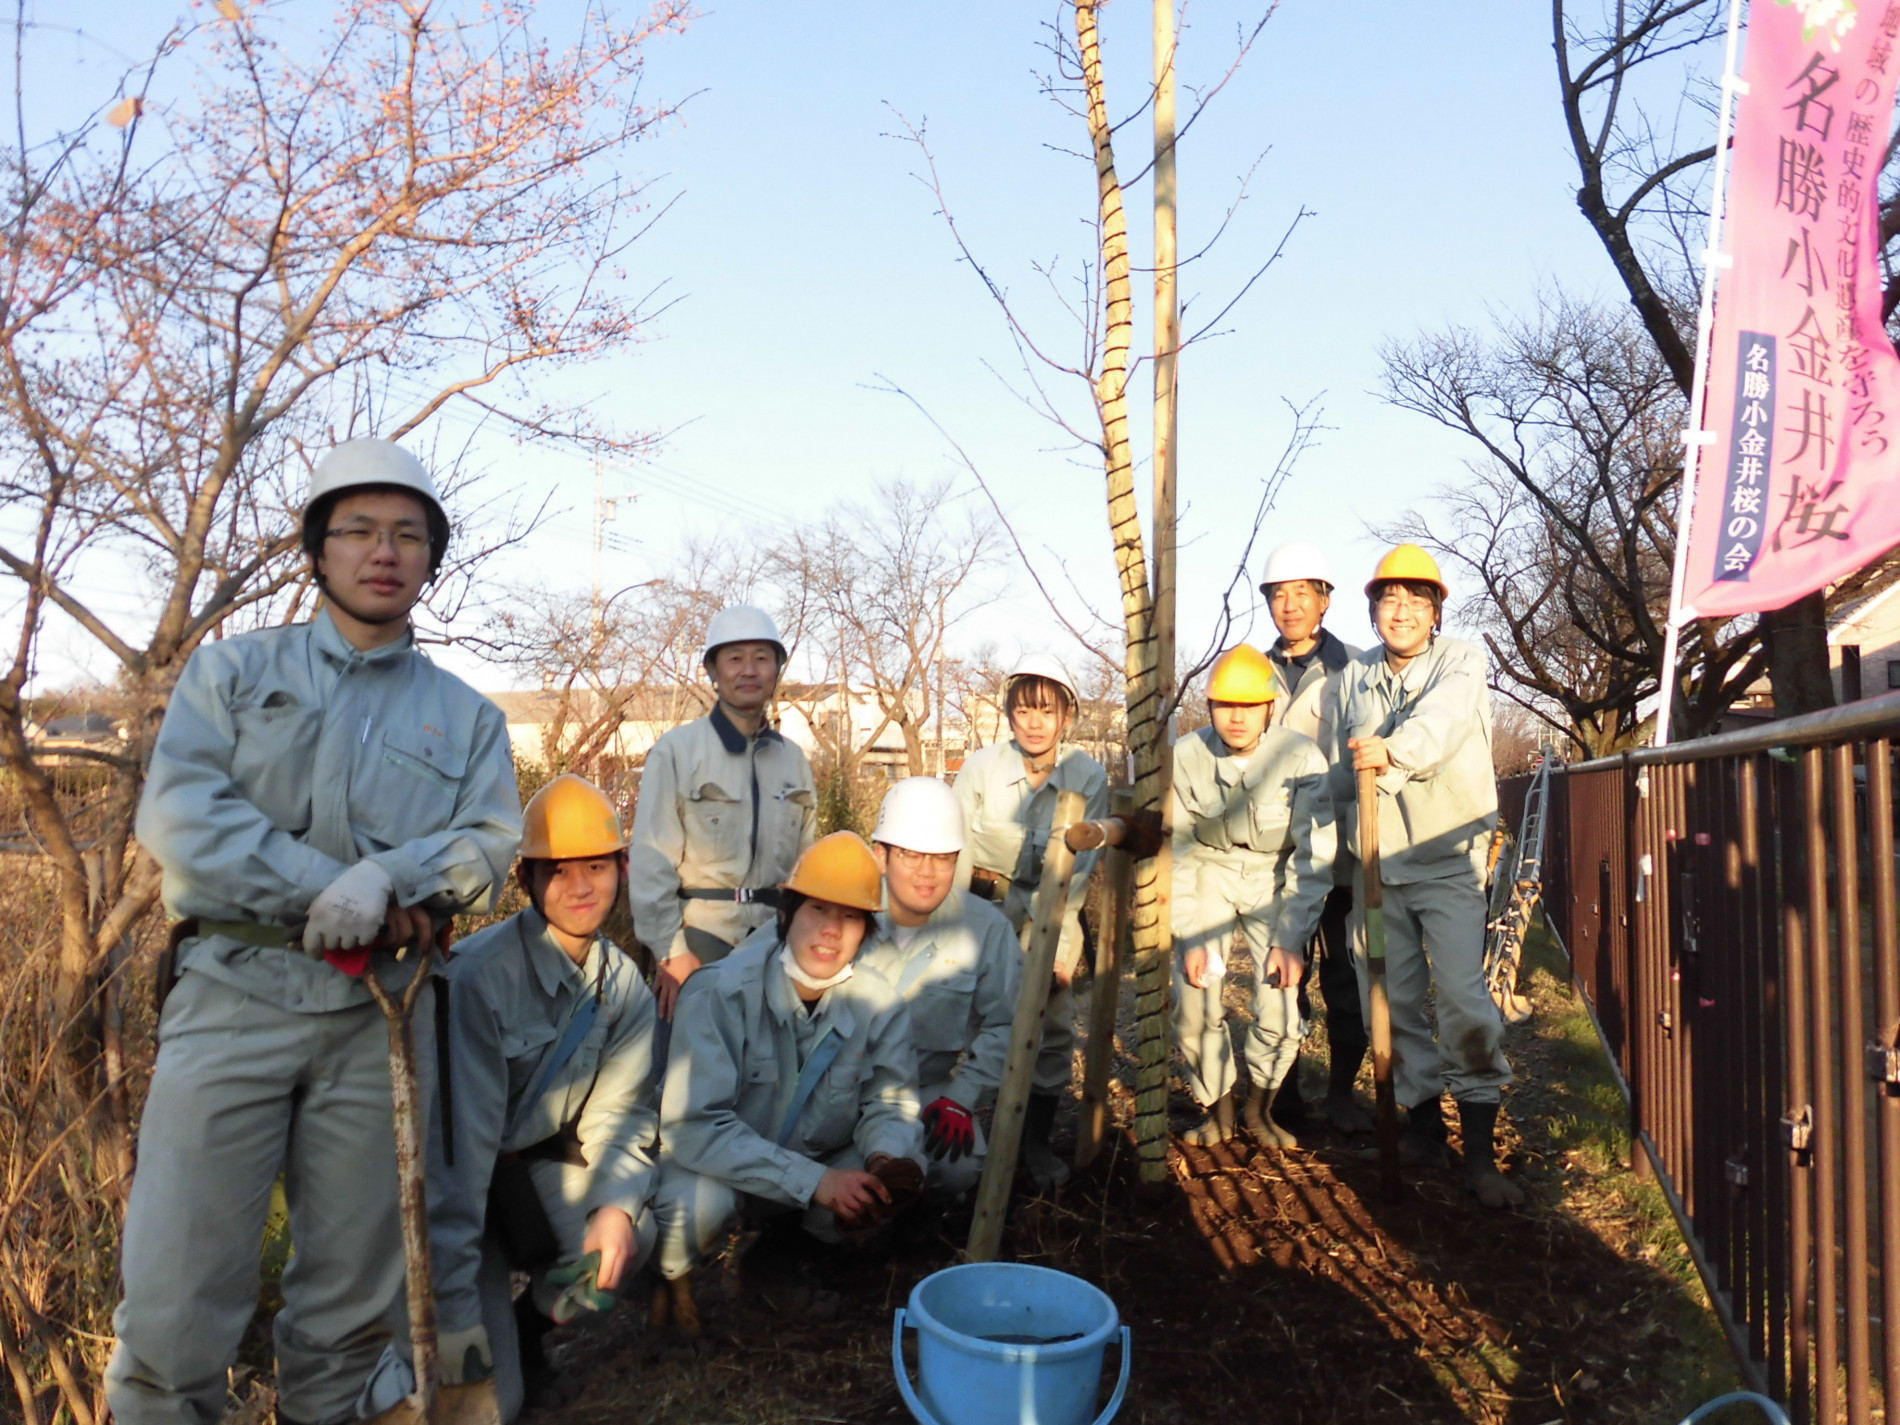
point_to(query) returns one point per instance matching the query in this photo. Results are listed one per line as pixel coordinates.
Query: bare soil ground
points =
(1276, 1286)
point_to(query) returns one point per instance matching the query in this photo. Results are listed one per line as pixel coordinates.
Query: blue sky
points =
(807, 263)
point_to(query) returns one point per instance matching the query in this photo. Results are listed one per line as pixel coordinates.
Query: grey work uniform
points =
(1438, 805)
(1007, 823)
(1310, 707)
(1253, 846)
(960, 972)
(286, 756)
(741, 1040)
(721, 816)
(587, 1137)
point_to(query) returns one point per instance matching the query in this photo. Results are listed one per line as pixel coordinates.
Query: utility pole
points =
(1153, 982)
(604, 510)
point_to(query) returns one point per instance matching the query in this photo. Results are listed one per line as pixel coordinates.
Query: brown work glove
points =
(903, 1179)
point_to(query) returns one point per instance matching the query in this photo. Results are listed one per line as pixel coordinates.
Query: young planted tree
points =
(277, 241)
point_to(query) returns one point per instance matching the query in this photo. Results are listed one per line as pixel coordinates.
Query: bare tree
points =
(286, 241)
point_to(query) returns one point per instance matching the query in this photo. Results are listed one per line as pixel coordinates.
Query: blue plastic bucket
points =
(999, 1343)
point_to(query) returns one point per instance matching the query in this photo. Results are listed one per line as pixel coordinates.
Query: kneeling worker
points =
(1253, 846)
(1417, 711)
(956, 962)
(792, 1085)
(551, 1100)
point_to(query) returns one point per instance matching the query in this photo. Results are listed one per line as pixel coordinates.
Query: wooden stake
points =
(1025, 1035)
(1105, 991)
(1387, 1105)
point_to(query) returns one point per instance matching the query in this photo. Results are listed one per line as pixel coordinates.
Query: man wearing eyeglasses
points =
(320, 797)
(954, 960)
(1417, 711)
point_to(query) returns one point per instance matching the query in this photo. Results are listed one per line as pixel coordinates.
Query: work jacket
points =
(285, 757)
(959, 975)
(1438, 801)
(1007, 823)
(1311, 704)
(513, 991)
(1269, 811)
(717, 810)
(741, 1038)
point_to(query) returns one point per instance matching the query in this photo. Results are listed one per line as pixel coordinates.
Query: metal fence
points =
(1728, 905)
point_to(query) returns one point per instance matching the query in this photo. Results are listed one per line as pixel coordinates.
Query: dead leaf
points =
(125, 111)
(230, 10)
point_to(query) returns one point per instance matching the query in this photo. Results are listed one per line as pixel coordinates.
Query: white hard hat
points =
(1044, 665)
(921, 814)
(368, 461)
(1297, 560)
(741, 623)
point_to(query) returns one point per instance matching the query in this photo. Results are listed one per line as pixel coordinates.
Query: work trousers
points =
(1337, 952)
(1055, 1059)
(1434, 943)
(695, 1212)
(711, 950)
(243, 1090)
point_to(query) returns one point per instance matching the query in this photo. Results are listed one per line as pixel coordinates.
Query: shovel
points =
(1386, 1102)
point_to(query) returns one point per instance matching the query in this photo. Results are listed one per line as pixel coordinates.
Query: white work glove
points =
(349, 911)
(464, 1357)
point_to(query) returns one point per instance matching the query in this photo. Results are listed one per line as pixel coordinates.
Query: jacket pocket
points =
(420, 778)
(716, 824)
(524, 1046)
(270, 761)
(940, 1013)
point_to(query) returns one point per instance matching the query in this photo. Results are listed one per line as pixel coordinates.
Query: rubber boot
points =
(1422, 1139)
(1289, 1105)
(1260, 1122)
(1343, 1111)
(542, 1386)
(1479, 1124)
(1045, 1169)
(1216, 1126)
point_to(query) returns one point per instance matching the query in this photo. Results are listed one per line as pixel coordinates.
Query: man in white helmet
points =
(1008, 794)
(955, 961)
(726, 806)
(317, 793)
(1298, 584)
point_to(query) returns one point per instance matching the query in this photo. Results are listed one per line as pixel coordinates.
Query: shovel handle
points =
(1374, 911)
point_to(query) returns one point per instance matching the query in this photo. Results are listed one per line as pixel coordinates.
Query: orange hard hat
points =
(1408, 561)
(570, 818)
(1243, 674)
(839, 868)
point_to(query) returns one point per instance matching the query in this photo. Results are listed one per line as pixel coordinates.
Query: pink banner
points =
(1800, 483)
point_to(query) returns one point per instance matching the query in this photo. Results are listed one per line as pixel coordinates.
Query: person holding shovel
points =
(726, 806)
(546, 1139)
(1416, 711)
(791, 1091)
(957, 964)
(1253, 849)
(320, 796)
(1008, 793)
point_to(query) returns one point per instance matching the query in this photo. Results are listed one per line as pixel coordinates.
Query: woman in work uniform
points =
(1416, 710)
(957, 964)
(1008, 793)
(791, 1092)
(726, 806)
(319, 794)
(553, 1099)
(1253, 848)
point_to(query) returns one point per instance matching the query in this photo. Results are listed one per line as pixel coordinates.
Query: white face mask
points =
(797, 972)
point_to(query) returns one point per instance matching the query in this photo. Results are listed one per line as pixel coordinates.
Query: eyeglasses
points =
(404, 539)
(918, 860)
(1394, 602)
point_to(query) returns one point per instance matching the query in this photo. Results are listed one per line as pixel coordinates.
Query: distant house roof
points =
(85, 727)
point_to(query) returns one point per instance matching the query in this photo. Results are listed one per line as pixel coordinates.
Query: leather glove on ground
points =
(466, 1357)
(349, 911)
(581, 1294)
(949, 1129)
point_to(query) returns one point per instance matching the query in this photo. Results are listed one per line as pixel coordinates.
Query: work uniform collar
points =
(331, 643)
(1407, 679)
(552, 965)
(1058, 776)
(950, 910)
(733, 740)
(1332, 652)
(781, 996)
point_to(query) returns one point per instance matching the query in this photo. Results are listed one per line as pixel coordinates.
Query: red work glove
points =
(350, 962)
(949, 1129)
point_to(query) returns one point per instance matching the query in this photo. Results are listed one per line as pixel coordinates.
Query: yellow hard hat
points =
(1243, 674)
(1408, 561)
(839, 868)
(570, 818)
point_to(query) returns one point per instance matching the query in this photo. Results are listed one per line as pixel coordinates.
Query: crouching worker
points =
(549, 1110)
(791, 1088)
(319, 795)
(957, 965)
(1417, 711)
(1253, 847)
